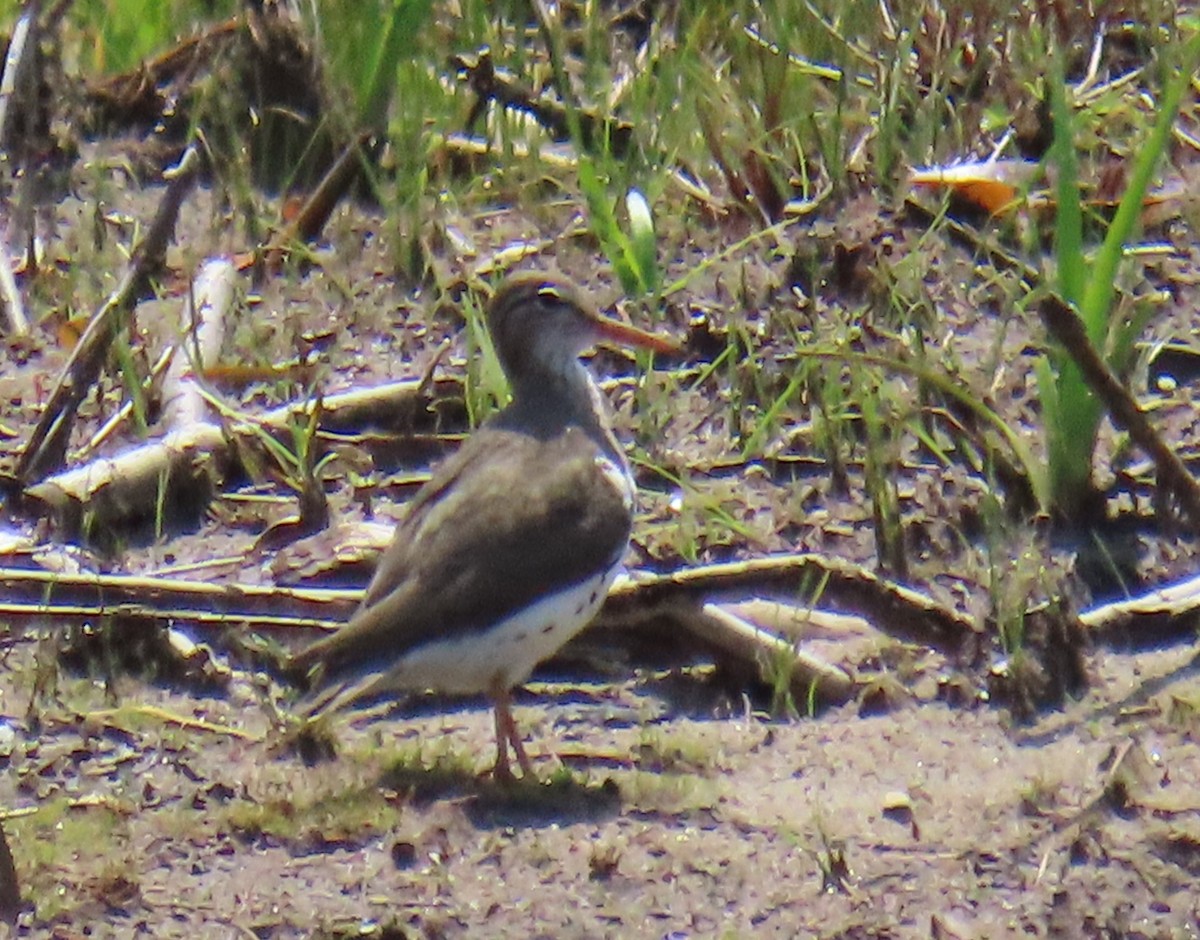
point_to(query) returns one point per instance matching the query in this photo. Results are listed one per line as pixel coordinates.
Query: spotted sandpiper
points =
(508, 551)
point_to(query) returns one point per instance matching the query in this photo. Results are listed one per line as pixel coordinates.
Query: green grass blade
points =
(643, 248)
(408, 18)
(1068, 220)
(951, 387)
(1097, 299)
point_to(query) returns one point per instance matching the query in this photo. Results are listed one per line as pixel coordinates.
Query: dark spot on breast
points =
(592, 599)
(548, 628)
(520, 637)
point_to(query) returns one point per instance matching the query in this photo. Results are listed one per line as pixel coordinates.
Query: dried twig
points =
(118, 418)
(67, 597)
(491, 84)
(319, 206)
(47, 446)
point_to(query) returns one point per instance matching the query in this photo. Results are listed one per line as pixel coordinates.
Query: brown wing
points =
(534, 515)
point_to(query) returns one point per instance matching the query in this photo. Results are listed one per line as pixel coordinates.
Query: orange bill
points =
(622, 334)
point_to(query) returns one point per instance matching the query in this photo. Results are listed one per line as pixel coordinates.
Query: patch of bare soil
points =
(929, 820)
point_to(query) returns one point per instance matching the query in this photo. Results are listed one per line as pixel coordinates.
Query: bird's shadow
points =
(558, 799)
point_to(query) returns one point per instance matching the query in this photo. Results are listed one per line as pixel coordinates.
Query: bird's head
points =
(540, 323)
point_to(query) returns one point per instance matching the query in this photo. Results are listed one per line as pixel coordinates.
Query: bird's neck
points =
(548, 400)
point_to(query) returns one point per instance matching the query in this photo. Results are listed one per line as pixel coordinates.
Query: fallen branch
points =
(134, 483)
(682, 597)
(147, 478)
(319, 205)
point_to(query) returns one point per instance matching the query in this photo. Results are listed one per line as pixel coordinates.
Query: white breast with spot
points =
(506, 653)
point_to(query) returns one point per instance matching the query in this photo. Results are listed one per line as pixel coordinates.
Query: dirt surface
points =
(674, 803)
(926, 821)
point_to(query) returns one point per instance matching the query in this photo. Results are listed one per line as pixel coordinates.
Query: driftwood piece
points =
(146, 478)
(635, 599)
(10, 297)
(17, 60)
(35, 595)
(18, 67)
(206, 314)
(737, 637)
(46, 448)
(131, 484)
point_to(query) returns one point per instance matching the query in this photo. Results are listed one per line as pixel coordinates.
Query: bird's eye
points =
(553, 300)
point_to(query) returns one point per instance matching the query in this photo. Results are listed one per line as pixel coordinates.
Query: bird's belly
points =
(506, 653)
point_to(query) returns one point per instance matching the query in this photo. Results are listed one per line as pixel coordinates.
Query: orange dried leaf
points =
(992, 185)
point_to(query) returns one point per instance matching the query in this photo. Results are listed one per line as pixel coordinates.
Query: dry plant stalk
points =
(1064, 325)
(10, 888)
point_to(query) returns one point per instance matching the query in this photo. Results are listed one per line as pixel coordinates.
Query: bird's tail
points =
(331, 693)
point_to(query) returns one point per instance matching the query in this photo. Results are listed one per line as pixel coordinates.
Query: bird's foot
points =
(502, 771)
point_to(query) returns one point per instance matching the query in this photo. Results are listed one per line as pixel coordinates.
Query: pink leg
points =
(501, 771)
(506, 734)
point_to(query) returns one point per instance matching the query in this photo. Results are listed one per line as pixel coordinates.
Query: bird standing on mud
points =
(509, 550)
